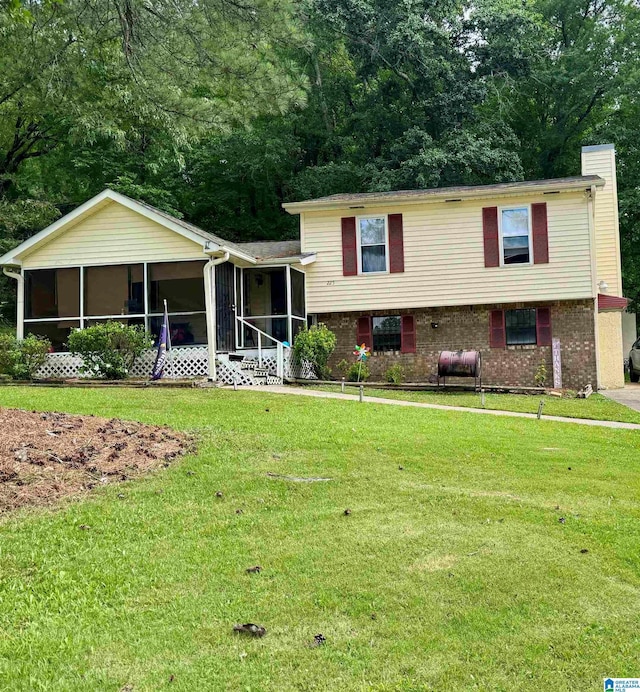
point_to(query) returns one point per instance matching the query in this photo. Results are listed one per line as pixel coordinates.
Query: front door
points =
(225, 315)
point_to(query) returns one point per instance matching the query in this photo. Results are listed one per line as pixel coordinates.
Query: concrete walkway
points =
(303, 391)
(629, 395)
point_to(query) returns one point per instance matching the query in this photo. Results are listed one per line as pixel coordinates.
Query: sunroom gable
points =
(108, 228)
(112, 234)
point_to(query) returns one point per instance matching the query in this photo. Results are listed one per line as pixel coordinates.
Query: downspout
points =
(20, 300)
(210, 299)
(591, 214)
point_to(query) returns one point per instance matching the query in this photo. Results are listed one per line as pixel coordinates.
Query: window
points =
(387, 334)
(52, 304)
(515, 235)
(265, 292)
(116, 289)
(297, 293)
(56, 331)
(520, 327)
(373, 245)
(181, 284)
(52, 293)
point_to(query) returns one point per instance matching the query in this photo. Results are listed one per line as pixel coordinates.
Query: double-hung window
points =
(372, 234)
(515, 235)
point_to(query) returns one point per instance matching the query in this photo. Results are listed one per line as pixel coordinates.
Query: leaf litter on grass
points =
(47, 456)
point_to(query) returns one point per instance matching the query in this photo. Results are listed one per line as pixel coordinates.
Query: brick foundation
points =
(468, 328)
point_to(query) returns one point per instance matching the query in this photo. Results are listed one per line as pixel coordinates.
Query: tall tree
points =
(83, 71)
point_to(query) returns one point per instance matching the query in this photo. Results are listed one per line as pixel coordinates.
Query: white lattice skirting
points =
(182, 363)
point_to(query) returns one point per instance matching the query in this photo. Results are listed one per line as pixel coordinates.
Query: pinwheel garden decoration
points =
(361, 353)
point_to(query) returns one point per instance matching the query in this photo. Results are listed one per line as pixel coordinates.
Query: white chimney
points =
(601, 160)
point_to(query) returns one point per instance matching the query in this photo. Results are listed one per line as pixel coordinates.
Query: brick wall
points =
(468, 328)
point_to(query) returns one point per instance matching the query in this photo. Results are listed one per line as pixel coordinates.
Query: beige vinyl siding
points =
(113, 235)
(444, 258)
(610, 354)
(602, 162)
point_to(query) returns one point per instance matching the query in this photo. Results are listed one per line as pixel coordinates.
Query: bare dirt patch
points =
(47, 456)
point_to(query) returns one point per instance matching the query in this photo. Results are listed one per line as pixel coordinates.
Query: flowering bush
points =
(110, 349)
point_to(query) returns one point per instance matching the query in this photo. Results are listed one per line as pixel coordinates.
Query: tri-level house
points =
(502, 269)
(514, 270)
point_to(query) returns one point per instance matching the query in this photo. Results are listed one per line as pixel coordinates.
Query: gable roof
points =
(576, 182)
(210, 243)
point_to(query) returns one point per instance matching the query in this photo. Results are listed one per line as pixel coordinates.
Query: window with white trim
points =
(515, 235)
(372, 236)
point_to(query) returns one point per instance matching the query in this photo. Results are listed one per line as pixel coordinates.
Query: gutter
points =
(210, 247)
(20, 300)
(210, 301)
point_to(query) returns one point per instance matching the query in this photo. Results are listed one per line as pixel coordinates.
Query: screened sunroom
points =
(270, 299)
(117, 259)
(59, 300)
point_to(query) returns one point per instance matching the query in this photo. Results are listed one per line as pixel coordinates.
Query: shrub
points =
(354, 372)
(395, 374)
(21, 359)
(110, 349)
(315, 345)
(541, 375)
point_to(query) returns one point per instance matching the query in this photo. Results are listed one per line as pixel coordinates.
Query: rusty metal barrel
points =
(459, 364)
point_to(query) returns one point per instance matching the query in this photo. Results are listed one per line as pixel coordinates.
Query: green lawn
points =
(596, 406)
(452, 573)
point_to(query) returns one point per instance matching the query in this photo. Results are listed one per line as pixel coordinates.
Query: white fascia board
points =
(283, 261)
(445, 194)
(14, 257)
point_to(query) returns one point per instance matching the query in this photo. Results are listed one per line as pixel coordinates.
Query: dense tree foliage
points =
(221, 110)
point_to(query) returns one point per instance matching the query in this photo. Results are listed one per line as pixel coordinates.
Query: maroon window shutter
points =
(363, 332)
(490, 234)
(396, 243)
(543, 326)
(540, 233)
(349, 252)
(408, 334)
(497, 332)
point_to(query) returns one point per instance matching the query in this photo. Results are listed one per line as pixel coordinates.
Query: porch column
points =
(19, 277)
(289, 320)
(210, 307)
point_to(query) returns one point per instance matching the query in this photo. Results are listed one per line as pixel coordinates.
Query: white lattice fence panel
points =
(302, 370)
(144, 365)
(182, 363)
(270, 363)
(60, 366)
(230, 373)
(186, 362)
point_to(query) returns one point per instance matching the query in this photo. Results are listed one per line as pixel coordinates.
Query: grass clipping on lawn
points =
(48, 456)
